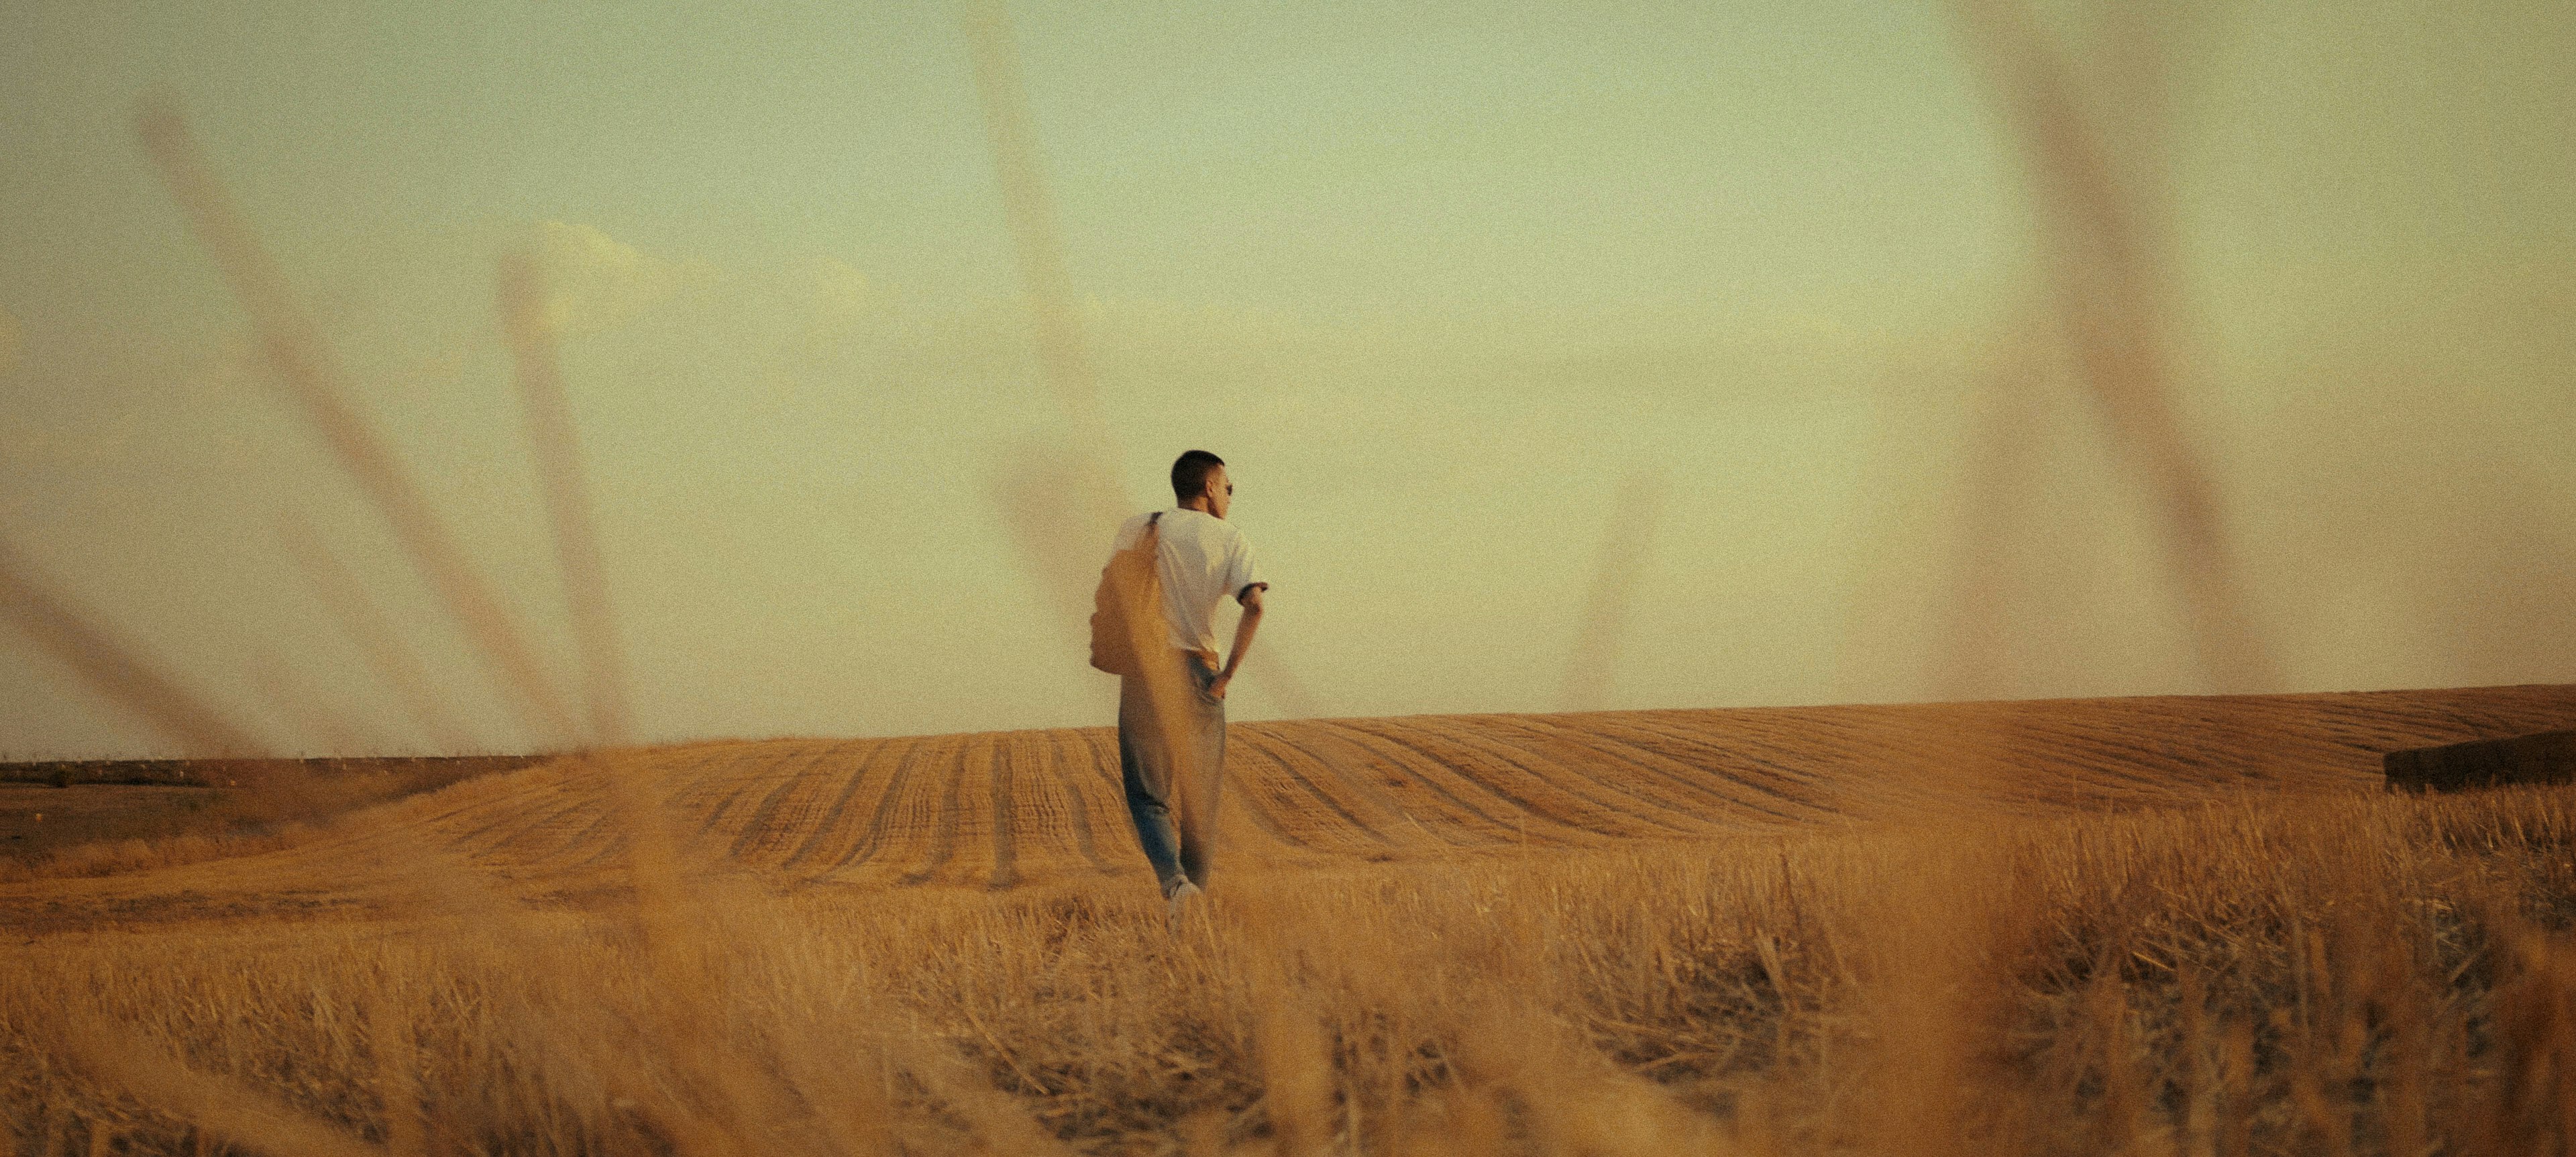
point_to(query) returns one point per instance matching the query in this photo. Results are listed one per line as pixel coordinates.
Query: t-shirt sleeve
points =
(1240, 576)
(1128, 533)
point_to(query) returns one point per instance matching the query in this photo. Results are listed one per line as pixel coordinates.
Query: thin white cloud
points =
(596, 283)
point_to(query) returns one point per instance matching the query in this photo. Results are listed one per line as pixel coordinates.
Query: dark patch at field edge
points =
(37, 821)
(97, 801)
(223, 772)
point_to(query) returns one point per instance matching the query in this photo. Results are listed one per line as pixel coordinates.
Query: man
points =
(1201, 558)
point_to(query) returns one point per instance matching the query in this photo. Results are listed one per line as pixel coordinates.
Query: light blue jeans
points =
(1179, 852)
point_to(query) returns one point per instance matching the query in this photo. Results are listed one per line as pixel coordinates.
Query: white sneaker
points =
(1184, 900)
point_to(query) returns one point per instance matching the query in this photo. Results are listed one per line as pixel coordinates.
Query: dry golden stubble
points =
(126, 1059)
(1573, 1099)
(1279, 981)
(714, 1142)
(1433, 955)
(118, 1053)
(1348, 1101)
(390, 1038)
(729, 1089)
(678, 918)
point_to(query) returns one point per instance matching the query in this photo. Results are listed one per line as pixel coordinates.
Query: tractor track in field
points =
(1006, 810)
(1378, 799)
(761, 832)
(885, 826)
(1500, 830)
(895, 755)
(1069, 781)
(1555, 779)
(1250, 741)
(944, 814)
(1006, 847)
(1663, 768)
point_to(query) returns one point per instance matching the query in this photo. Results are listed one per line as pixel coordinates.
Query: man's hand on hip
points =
(1251, 599)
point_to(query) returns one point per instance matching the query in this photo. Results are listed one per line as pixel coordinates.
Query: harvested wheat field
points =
(488, 380)
(2184, 924)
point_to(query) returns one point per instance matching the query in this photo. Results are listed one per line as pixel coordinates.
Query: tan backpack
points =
(1127, 609)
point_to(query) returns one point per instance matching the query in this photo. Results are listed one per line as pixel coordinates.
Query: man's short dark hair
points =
(1189, 474)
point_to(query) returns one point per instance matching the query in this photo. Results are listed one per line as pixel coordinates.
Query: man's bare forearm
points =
(1243, 629)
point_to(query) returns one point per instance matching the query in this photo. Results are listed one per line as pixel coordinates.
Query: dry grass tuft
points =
(2322, 973)
(1972, 972)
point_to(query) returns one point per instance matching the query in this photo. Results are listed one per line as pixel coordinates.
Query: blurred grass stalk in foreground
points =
(2295, 974)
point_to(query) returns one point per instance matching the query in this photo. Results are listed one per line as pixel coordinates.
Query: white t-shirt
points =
(1203, 558)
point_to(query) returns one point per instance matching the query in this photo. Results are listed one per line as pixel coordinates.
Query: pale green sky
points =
(1436, 282)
